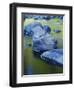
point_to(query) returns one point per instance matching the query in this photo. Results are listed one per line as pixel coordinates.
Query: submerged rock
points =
(57, 31)
(54, 56)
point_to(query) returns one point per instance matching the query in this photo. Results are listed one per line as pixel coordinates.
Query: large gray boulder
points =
(34, 28)
(47, 28)
(54, 56)
(60, 17)
(42, 41)
(29, 29)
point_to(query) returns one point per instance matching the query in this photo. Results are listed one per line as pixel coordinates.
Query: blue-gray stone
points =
(29, 29)
(36, 16)
(54, 56)
(42, 41)
(51, 17)
(47, 28)
(27, 16)
(57, 31)
(46, 17)
(60, 17)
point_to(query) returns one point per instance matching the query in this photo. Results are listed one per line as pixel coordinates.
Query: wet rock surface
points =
(41, 39)
(40, 17)
(30, 29)
(43, 42)
(54, 56)
(57, 31)
(46, 28)
(34, 28)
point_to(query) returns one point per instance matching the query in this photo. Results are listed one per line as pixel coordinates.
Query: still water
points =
(35, 65)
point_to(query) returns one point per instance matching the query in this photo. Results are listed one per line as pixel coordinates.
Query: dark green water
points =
(35, 65)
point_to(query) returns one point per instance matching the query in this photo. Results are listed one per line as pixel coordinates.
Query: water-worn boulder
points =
(54, 56)
(27, 16)
(45, 17)
(47, 28)
(51, 17)
(36, 17)
(40, 17)
(60, 17)
(29, 29)
(42, 41)
(36, 27)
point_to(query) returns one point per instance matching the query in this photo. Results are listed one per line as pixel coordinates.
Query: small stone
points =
(57, 31)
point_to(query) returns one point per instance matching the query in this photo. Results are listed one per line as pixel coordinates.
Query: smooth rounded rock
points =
(54, 56)
(29, 29)
(57, 31)
(47, 28)
(42, 42)
(60, 17)
(51, 17)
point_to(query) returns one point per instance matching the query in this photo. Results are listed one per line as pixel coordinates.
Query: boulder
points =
(54, 56)
(36, 17)
(46, 17)
(27, 16)
(42, 41)
(51, 17)
(29, 29)
(47, 28)
(60, 17)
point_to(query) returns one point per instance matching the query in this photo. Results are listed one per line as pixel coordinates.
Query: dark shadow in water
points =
(49, 61)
